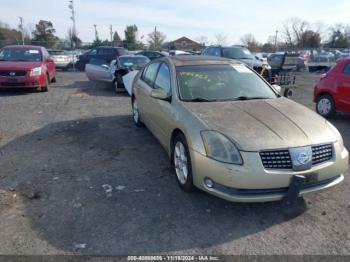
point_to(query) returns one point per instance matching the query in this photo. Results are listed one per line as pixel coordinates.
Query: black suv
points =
(151, 54)
(242, 54)
(106, 53)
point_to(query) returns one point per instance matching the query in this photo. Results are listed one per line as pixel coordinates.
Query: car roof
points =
(132, 56)
(24, 46)
(188, 60)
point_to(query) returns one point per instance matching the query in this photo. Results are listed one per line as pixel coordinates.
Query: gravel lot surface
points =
(76, 177)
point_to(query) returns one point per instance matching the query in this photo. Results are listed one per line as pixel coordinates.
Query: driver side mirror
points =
(160, 94)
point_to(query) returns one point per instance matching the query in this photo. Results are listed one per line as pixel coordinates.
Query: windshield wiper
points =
(250, 97)
(199, 99)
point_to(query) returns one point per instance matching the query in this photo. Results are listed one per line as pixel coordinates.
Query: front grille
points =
(13, 84)
(279, 159)
(12, 73)
(321, 153)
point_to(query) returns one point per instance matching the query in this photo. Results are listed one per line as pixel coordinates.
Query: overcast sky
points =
(232, 18)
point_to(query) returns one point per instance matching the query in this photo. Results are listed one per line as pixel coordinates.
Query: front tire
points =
(325, 106)
(45, 88)
(182, 163)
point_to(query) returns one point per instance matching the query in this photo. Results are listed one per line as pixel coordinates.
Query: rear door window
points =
(347, 69)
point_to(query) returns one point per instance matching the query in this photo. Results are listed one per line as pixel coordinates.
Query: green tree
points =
(130, 34)
(44, 34)
(310, 39)
(96, 42)
(131, 41)
(339, 37)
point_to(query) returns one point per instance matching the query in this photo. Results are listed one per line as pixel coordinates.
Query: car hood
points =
(8, 65)
(264, 124)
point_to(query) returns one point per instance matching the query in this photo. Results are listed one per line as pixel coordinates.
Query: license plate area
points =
(311, 178)
(12, 80)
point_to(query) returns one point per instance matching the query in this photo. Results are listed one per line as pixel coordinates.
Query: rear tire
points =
(182, 163)
(325, 106)
(136, 113)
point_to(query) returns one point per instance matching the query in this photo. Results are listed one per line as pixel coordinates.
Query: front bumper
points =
(23, 81)
(252, 183)
(60, 65)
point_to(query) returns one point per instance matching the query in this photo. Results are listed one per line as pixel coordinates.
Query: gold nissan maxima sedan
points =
(231, 134)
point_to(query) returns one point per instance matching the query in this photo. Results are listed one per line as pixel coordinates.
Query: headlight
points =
(220, 148)
(336, 132)
(35, 71)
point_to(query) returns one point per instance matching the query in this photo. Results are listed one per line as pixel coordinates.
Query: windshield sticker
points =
(33, 51)
(195, 75)
(242, 69)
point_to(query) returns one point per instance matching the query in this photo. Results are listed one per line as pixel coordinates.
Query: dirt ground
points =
(76, 177)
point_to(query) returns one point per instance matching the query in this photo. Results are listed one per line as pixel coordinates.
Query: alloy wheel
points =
(180, 162)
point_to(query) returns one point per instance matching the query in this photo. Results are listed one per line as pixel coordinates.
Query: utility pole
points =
(96, 33)
(155, 38)
(111, 32)
(21, 28)
(276, 40)
(74, 29)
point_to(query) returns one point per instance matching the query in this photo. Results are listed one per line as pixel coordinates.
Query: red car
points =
(332, 93)
(26, 67)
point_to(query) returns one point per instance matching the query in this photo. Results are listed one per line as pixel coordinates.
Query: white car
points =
(119, 72)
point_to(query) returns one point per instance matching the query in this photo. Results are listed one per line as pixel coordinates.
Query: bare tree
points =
(156, 39)
(221, 39)
(293, 29)
(203, 40)
(249, 41)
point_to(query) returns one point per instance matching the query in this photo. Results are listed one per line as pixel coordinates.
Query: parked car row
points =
(64, 59)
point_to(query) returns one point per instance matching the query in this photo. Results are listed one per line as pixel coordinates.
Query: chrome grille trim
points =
(281, 159)
(321, 153)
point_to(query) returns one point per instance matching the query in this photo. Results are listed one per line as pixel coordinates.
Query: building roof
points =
(184, 38)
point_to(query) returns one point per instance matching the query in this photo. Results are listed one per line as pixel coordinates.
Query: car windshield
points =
(133, 61)
(123, 51)
(237, 53)
(20, 54)
(206, 83)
